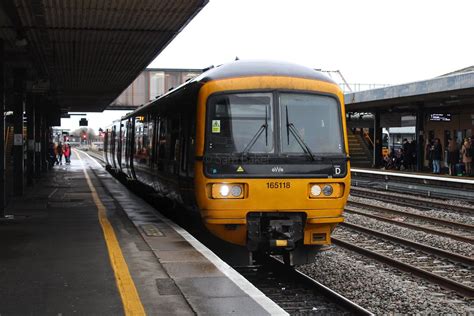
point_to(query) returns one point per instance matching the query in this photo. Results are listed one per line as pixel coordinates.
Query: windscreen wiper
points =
(291, 128)
(254, 139)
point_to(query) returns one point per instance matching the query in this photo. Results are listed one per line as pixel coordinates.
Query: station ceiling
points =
(84, 53)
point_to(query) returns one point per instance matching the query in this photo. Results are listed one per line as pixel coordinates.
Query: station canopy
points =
(84, 53)
(449, 91)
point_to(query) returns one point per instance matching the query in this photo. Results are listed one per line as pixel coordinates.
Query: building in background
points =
(150, 84)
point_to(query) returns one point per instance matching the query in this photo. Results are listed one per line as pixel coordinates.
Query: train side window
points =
(190, 151)
(155, 140)
(174, 140)
(123, 143)
(138, 139)
(184, 131)
(151, 136)
(128, 145)
(162, 141)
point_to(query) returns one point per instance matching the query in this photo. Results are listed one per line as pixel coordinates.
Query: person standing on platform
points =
(406, 154)
(413, 155)
(55, 151)
(466, 153)
(453, 156)
(428, 153)
(60, 153)
(52, 154)
(437, 155)
(67, 153)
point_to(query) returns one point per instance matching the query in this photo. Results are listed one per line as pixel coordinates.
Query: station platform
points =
(442, 186)
(80, 242)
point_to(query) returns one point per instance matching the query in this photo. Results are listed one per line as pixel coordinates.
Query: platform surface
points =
(56, 259)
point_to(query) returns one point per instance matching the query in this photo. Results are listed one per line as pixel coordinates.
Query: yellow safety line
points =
(130, 299)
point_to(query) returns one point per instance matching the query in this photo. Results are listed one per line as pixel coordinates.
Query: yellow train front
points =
(258, 148)
(273, 171)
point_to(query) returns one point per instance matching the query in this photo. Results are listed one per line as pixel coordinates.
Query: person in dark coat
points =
(406, 154)
(437, 155)
(60, 153)
(413, 150)
(429, 144)
(52, 155)
(453, 156)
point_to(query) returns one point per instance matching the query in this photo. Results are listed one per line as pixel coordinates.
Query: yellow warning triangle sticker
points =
(240, 169)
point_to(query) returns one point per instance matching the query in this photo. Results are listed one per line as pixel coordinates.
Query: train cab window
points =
(240, 123)
(310, 120)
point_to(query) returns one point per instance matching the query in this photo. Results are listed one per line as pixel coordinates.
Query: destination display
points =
(440, 117)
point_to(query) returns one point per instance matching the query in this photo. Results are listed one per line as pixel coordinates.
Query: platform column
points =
(44, 140)
(377, 141)
(37, 139)
(2, 130)
(420, 139)
(30, 143)
(18, 143)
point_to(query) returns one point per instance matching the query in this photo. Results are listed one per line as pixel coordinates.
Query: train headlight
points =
(224, 190)
(227, 191)
(327, 190)
(236, 190)
(315, 190)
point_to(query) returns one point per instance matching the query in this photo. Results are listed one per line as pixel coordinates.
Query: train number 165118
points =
(278, 185)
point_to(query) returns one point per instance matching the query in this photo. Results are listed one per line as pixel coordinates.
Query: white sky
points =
(382, 42)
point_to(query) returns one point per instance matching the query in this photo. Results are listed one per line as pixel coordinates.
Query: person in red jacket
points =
(67, 153)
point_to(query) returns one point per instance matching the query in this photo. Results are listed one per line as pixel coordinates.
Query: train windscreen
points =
(240, 123)
(310, 123)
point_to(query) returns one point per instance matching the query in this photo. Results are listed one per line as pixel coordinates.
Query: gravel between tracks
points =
(421, 198)
(440, 242)
(380, 288)
(459, 217)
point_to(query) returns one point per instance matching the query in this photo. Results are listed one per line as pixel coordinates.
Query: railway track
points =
(449, 270)
(410, 201)
(442, 227)
(297, 293)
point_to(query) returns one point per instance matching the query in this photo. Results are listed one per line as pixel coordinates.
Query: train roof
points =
(249, 68)
(236, 69)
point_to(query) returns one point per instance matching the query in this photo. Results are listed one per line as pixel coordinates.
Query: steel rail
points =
(415, 215)
(351, 307)
(413, 226)
(462, 289)
(409, 201)
(432, 250)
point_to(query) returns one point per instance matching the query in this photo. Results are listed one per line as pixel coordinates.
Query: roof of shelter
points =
(88, 52)
(459, 71)
(454, 89)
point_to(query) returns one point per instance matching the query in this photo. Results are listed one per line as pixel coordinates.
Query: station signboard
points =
(440, 117)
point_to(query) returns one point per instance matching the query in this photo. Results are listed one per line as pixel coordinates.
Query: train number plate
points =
(278, 185)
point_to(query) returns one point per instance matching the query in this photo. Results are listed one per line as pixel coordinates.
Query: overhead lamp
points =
(21, 41)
